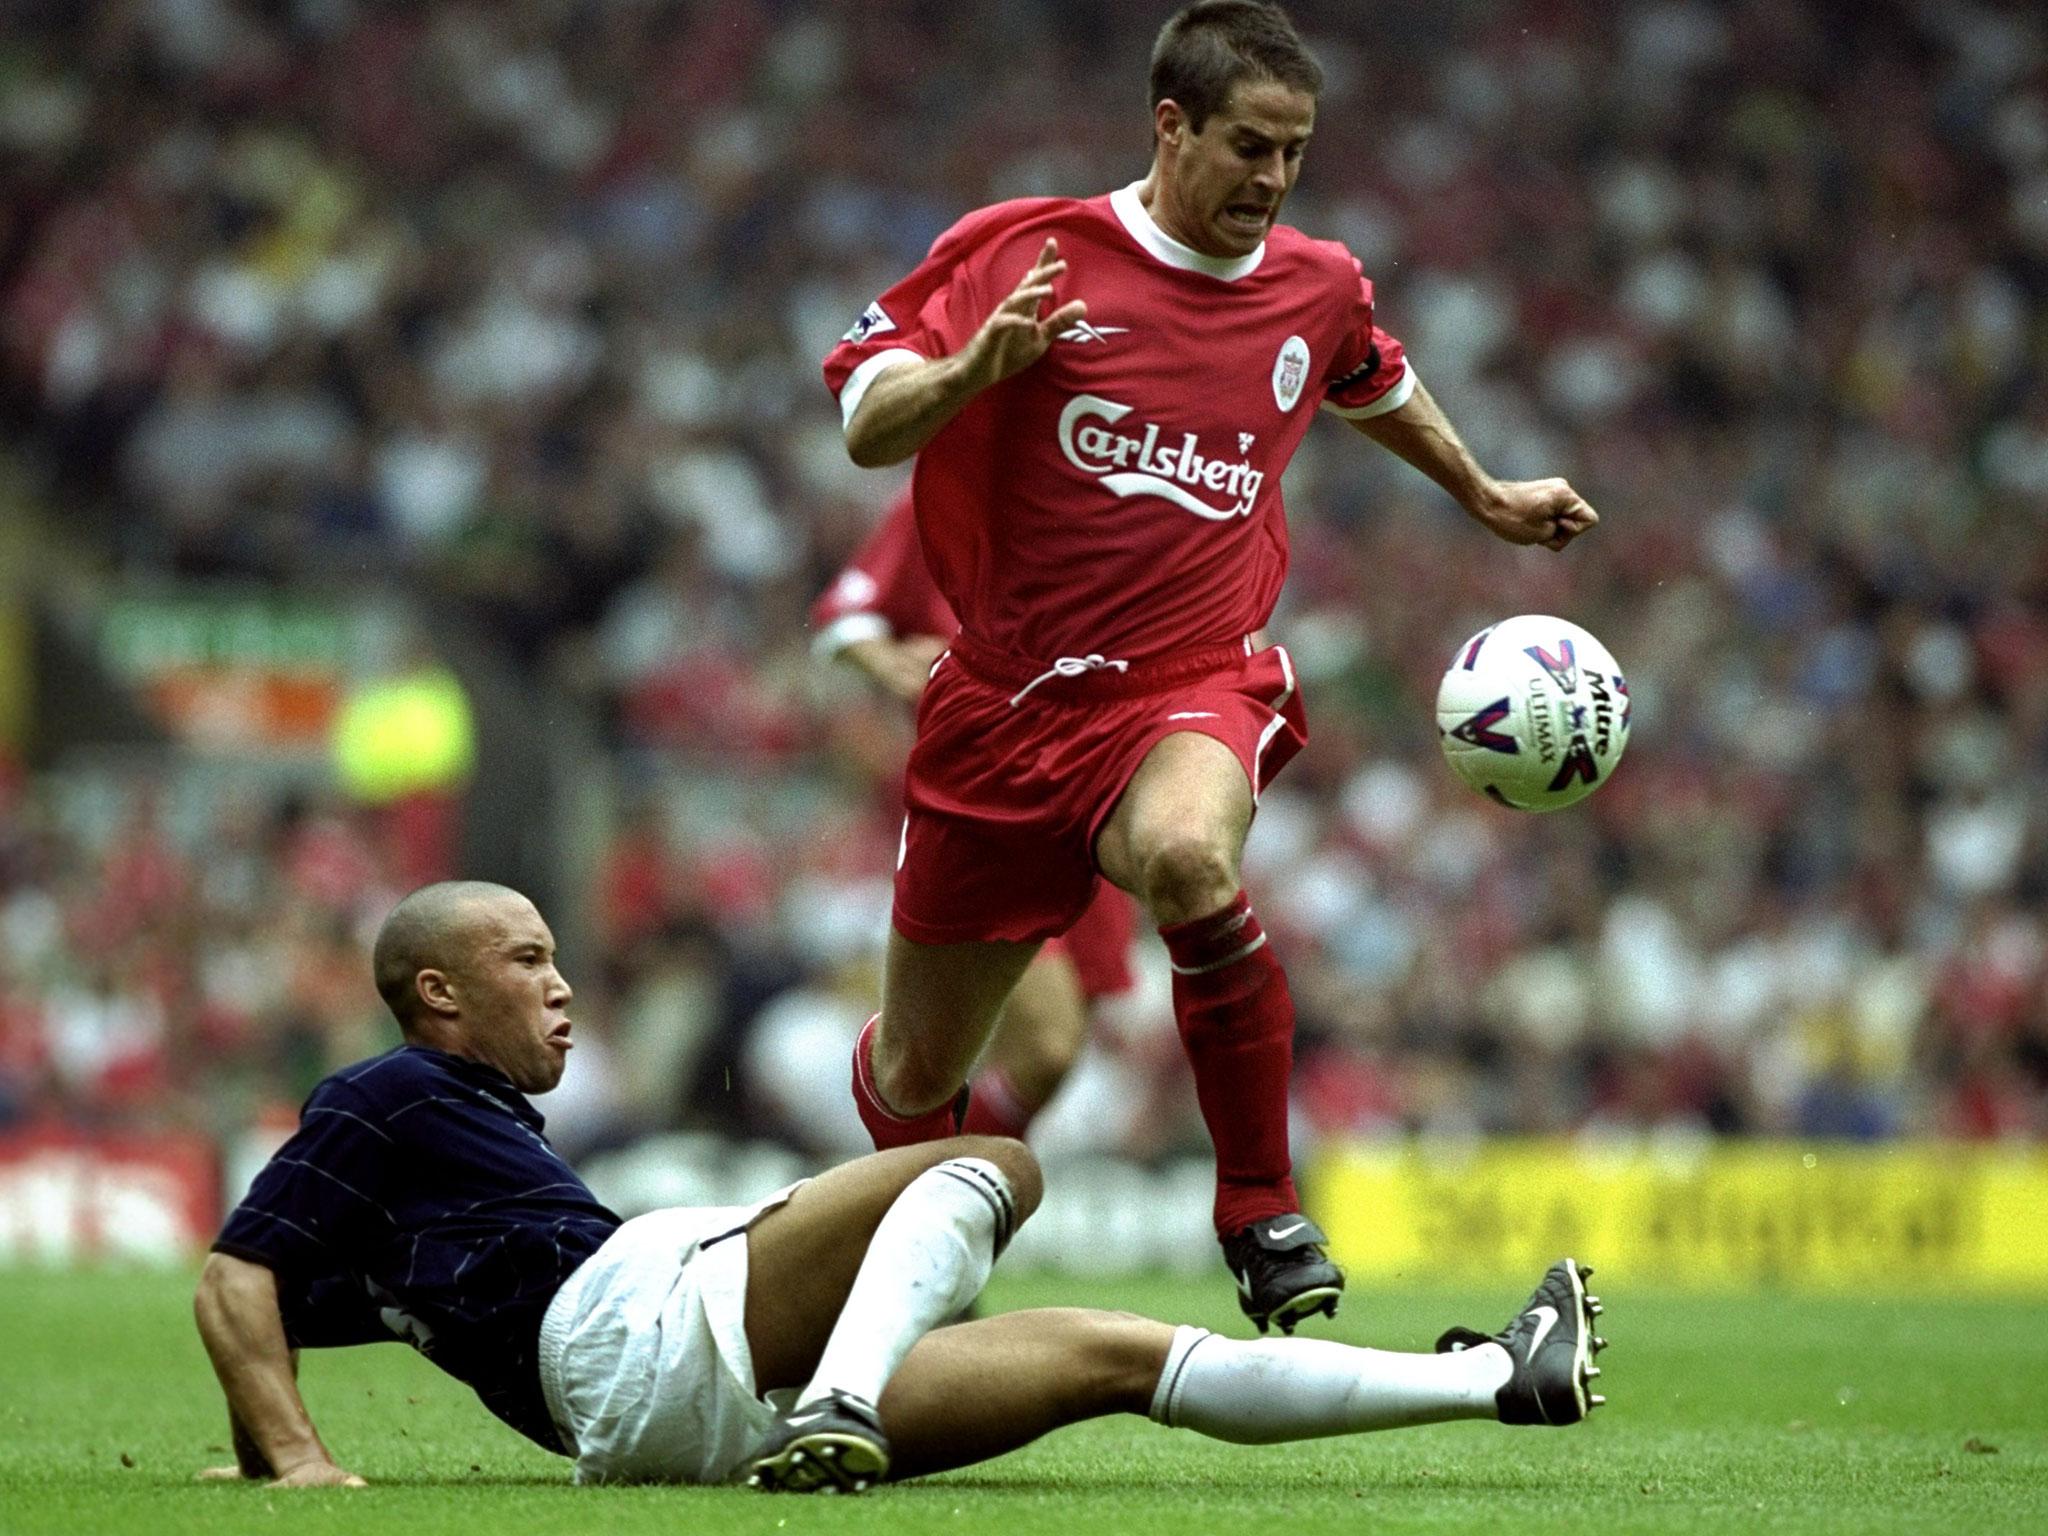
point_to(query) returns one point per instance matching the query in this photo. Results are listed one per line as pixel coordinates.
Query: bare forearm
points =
(1421, 435)
(1547, 512)
(906, 406)
(899, 665)
(237, 1312)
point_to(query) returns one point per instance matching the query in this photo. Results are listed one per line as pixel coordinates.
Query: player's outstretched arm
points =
(1546, 512)
(907, 404)
(239, 1322)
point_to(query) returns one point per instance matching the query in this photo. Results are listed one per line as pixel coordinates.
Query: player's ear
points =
(1169, 122)
(436, 993)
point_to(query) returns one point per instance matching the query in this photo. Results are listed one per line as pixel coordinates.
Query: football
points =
(1533, 713)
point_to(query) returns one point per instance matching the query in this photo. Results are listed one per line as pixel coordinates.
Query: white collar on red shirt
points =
(1138, 221)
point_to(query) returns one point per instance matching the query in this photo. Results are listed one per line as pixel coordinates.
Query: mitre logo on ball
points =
(1136, 464)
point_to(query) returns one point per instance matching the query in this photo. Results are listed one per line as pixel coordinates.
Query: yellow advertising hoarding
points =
(1710, 1216)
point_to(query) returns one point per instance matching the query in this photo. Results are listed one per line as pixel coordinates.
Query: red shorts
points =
(1099, 943)
(1016, 768)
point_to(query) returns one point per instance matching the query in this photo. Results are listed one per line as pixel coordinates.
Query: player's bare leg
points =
(980, 1389)
(939, 1003)
(968, 1393)
(1037, 1039)
(803, 1256)
(1175, 841)
(1177, 835)
(847, 1277)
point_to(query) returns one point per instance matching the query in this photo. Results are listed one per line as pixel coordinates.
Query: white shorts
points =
(643, 1351)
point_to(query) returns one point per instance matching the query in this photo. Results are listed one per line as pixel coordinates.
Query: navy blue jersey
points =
(418, 1200)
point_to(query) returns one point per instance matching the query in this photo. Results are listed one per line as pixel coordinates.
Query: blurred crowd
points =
(517, 309)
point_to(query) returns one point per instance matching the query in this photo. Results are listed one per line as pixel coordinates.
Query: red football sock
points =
(886, 1128)
(1236, 1021)
(994, 1107)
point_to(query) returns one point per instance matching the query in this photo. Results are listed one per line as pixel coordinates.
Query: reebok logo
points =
(1081, 331)
(1137, 464)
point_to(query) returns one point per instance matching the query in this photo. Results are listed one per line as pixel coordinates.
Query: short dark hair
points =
(1212, 45)
(421, 934)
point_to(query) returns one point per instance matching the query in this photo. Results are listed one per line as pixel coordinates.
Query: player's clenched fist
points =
(1546, 512)
(1015, 336)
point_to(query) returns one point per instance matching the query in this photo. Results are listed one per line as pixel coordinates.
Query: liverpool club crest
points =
(1290, 372)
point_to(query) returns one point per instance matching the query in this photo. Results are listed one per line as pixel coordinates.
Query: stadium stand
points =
(542, 362)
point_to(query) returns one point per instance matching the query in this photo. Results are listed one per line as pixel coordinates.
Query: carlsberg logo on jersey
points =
(1130, 464)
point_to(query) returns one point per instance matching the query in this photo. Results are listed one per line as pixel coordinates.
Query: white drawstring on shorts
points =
(1070, 666)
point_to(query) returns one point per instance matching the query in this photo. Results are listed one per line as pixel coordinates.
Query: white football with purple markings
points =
(1533, 713)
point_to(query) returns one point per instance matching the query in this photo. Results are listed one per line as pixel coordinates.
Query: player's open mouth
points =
(559, 1037)
(1248, 217)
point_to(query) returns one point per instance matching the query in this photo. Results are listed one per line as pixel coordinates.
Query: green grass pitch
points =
(1752, 1414)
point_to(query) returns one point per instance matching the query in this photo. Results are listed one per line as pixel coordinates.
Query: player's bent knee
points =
(1187, 877)
(1019, 1165)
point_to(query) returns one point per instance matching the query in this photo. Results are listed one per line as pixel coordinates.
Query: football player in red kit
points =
(884, 615)
(1101, 395)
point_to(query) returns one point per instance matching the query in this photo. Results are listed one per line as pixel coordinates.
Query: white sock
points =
(1255, 1392)
(929, 1257)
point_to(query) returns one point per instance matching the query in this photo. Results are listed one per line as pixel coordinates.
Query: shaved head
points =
(434, 928)
(469, 968)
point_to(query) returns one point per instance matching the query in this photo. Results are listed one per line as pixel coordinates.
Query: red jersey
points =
(885, 590)
(1121, 495)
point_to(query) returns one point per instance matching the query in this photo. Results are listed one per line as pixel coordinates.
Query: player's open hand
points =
(1016, 335)
(1546, 512)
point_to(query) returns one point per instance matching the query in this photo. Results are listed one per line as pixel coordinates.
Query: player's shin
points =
(1236, 1021)
(930, 1256)
(1256, 1392)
